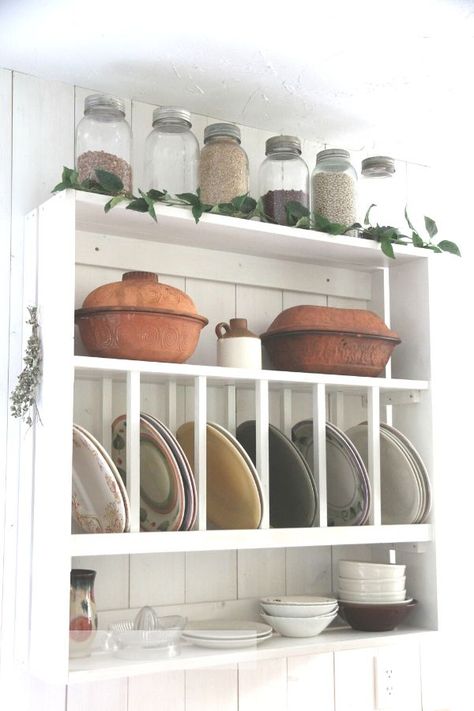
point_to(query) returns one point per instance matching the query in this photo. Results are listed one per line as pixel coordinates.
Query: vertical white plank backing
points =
(262, 448)
(215, 301)
(111, 586)
(98, 696)
(308, 571)
(200, 448)
(319, 451)
(286, 418)
(157, 579)
(373, 416)
(107, 415)
(211, 575)
(171, 404)
(231, 412)
(311, 677)
(261, 572)
(157, 692)
(354, 680)
(263, 685)
(133, 447)
(336, 409)
(212, 689)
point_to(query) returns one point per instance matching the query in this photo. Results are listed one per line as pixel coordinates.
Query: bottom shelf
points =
(101, 666)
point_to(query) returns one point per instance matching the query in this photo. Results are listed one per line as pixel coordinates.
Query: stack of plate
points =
(168, 497)
(293, 495)
(234, 492)
(348, 487)
(405, 485)
(375, 583)
(299, 615)
(226, 634)
(99, 499)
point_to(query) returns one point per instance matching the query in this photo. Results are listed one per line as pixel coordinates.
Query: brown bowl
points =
(322, 339)
(375, 617)
(139, 334)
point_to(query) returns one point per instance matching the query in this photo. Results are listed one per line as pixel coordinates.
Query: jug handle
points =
(222, 328)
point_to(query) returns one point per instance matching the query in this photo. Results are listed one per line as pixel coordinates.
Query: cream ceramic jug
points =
(237, 347)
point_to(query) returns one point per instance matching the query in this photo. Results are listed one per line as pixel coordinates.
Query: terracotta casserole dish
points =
(324, 339)
(140, 319)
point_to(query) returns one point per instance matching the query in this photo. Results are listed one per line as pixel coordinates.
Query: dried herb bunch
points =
(23, 398)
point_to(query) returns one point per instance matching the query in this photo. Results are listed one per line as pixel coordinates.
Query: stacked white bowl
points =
(371, 582)
(299, 615)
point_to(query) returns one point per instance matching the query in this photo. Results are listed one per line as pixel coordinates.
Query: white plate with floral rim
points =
(114, 470)
(97, 501)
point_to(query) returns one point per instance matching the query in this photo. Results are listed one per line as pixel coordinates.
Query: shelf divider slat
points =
(262, 448)
(106, 414)
(373, 443)
(200, 448)
(319, 451)
(133, 448)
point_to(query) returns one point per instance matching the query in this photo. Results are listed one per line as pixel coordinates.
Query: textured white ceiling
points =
(395, 75)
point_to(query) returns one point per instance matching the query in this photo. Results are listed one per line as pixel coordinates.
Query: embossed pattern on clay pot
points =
(324, 339)
(140, 319)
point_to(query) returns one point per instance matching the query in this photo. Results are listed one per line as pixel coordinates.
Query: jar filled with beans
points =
(104, 139)
(334, 187)
(283, 177)
(224, 166)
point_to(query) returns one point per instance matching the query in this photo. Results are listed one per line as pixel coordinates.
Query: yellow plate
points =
(233, 500)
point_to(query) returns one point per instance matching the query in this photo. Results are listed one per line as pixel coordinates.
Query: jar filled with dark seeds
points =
(334, 187)
(224, 166)
(172, 152)
(283, 177)
(104, 139)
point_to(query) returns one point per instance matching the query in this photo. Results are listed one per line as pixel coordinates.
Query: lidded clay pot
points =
(140, 319)
(237, 347)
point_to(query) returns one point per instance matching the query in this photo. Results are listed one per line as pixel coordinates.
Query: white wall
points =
(37, 122)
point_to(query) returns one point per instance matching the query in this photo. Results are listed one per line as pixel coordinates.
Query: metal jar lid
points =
(103, 101)
(164, 113)
(332, 153)
(378, 166)
(222, 129)
(283, 144)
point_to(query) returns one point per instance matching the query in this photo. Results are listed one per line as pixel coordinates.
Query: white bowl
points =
(351, 596)
(370, 571)
(299, 626)
(299, 606)
(380, 585)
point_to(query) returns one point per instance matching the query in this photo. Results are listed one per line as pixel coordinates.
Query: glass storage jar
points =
(104, 139)
(172, 152)
(334, 187)
(381, 186)
(283, 177)
(224, 166)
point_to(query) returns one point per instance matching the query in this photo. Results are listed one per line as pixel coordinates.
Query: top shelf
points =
(229, 234)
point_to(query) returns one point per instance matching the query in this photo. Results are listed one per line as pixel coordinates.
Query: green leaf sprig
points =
(23, 399)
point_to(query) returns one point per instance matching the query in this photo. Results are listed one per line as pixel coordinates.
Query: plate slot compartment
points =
(106, 414)
(286, 412)
(319, 451)
(133, 447)
(200, 449)
(262, 448)
(373, 454)
(171, 404)
(230, 403)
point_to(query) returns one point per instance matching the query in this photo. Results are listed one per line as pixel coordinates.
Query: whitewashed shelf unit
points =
(76, 247)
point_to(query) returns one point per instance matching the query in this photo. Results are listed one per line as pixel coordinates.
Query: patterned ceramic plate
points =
(162, 501)
(97, 501)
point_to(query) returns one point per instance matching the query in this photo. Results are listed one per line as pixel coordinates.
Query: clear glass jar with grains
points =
(224, 166)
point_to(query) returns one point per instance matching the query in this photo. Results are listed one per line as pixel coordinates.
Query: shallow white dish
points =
(351, 596)
(226, 630)
(299, 626)
(371, 571)
(227, 643)
(364, 603)
(298, 605)
(380, 585)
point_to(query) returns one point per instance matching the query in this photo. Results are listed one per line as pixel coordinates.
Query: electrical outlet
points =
(385, 682)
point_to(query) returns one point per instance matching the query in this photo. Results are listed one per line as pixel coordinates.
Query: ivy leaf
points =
(197, 211)
(91, 186)
(189, 198)
(138, 205)
(431, 227)
(416, 239)
(295, 211)
(114, 201)
(70, 176)
(387, 248)
(109, 181)
(157, 194)
(223, 208)
(60, 186)
(446, 246)
(336, 229)
(367, 214)
(244, 203)
(304, 222)
(150, 203)
(408, 220)
(320, 223)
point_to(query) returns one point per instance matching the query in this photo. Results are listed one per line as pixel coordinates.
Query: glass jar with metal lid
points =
(104, 139)
(172, 152)
(283, 177)
(380, 185)
(334, 187)
(224, 166)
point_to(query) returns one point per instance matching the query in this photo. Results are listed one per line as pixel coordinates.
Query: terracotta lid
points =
(329, 319)
(142, 290)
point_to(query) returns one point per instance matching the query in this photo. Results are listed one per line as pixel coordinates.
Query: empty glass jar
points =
(224, 166)
(283, 177)
(104, 139)
(334, 187)
(380, 185)
(172, 152)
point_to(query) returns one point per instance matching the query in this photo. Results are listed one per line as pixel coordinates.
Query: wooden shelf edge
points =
(103, 667)
(182, 541)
